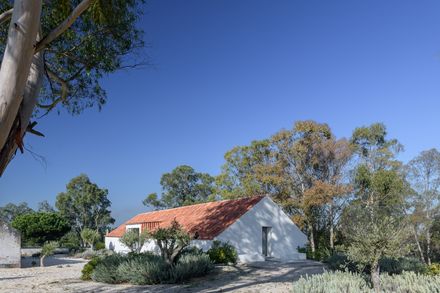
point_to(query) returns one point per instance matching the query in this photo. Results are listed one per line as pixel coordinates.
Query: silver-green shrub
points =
(336, 282)
(189, 266)
(144, 269)
(107, 270)
(331, 282)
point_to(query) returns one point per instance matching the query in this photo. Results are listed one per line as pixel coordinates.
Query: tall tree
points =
(375, 225)
(302, 169)
(424, 174)
(182, 186)
(374, 149)
(54, 55)
(10, 211)
(45, 207)
(243, 173)
(85, 205)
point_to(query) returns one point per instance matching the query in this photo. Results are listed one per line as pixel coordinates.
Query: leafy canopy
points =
(134, 240)
(10, 211)
(104, 39)
(85, 205)
(182, 186)
(38, 228)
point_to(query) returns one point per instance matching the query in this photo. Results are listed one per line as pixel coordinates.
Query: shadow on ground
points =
(55, 260)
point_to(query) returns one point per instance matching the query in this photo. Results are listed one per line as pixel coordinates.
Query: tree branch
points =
(5, 16)
(67, 23)
(64, 91)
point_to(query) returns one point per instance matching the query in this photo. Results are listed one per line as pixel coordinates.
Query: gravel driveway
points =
(62, 275)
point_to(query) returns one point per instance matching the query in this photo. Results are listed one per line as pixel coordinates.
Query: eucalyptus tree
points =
(85, 205)
(302, 168)
(182, 186)
(424, 174)
(54, 55)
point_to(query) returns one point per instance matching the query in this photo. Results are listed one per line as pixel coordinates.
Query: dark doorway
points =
(265, 240)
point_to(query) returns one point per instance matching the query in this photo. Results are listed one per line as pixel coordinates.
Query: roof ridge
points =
(202, 203)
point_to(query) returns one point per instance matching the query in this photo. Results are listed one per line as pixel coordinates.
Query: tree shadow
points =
(55, 260)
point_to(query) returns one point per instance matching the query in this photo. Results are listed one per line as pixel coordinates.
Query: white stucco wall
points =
(10, 245)
(246, 234)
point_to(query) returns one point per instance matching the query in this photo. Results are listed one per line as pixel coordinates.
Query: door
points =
(265, 240)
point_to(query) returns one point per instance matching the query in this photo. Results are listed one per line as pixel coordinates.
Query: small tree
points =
(373, 236)
(48, 249)
(90, 237)
(171, 241)
(134, 240)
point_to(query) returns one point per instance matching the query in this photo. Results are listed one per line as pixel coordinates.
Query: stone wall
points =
(10, 243)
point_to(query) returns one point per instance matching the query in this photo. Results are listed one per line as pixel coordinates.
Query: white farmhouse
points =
(256, 226)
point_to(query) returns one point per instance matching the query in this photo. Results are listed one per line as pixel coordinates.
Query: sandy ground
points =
(62, 274)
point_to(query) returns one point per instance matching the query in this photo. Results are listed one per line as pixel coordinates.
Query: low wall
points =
(10, 243)
(29, 251)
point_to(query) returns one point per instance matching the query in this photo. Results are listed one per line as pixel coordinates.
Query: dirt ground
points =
(62, 274)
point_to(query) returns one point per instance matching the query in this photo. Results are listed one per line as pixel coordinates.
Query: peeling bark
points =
(16, 64)
(30, 97)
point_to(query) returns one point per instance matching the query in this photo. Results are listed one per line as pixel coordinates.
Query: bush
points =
(433, 269)
(397, 266)
(335, 282)
(71, 241)
(144, 269)
(222, 253)
(190, 266)
(341, 262)
(107, 269)
(100, 246)
(86, 272)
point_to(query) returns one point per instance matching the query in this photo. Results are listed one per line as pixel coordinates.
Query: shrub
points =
(90, 237)
(47, 249)
(190, 266)
(222, 253)
(433, 269)
(107, 269)
(335, 282)
(302, 249)
(391, 266)
(340, 262)
(70, 241)
(397, 266)
(144, 269)
(331, 282)
(86, 272)
(100, 246)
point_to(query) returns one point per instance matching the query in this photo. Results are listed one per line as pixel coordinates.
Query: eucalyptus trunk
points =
(428, 247)
(419, 247)
(332, 233)
(16, 66)
(312, 240)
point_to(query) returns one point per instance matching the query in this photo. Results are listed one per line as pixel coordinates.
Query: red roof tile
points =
(207, 219)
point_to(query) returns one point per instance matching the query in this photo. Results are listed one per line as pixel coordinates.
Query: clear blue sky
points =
(228, 72)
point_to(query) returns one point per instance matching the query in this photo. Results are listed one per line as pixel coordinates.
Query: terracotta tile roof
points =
(207, 219)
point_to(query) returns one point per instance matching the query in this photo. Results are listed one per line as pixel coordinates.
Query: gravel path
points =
(62, 275)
